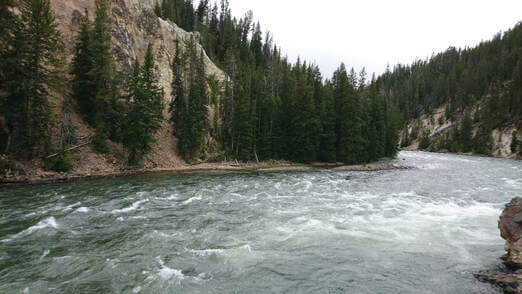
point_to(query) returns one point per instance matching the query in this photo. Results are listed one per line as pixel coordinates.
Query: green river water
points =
(421, 230)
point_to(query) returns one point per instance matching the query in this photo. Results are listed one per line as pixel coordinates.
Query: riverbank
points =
(461, 153)
(267, 166)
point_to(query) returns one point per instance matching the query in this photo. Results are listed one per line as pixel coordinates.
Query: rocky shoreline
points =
(510, 225)
(50, 178)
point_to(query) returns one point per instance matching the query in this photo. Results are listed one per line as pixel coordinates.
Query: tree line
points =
(269, 108)
(31, 74)
(273, 109)
(480, 85)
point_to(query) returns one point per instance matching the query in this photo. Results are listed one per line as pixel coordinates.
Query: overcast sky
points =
(373, 33)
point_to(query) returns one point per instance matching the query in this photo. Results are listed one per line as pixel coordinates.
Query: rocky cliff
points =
(437, 125)
(133, 24)
(510, 225)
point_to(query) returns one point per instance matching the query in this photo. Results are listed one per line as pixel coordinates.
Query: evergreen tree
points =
(327, 150)
(425, 141)
(82, 65)
(144, 109)
(377, 127)
(392, 137)
(179, 101)
(11, 45)
(466, 134)
(36, 74)
(483, 142)
(514, 143)
(105, 82)
(350, 140)
(192, 128)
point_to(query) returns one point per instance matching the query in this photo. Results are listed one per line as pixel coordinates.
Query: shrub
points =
(5, 163)
(425, 141)
(59, 163)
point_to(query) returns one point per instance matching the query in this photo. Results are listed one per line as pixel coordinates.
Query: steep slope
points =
(133, 25)
(462, 100)
(437, 125)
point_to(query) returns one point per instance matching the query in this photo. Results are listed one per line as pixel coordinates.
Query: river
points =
(421, 230)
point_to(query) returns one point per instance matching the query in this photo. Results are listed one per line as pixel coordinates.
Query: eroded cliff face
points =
(133, 24)
(510, 225)
(437, 124)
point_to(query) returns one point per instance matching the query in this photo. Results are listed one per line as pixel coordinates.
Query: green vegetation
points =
(96, 83)
(143, 110)
(189, 111)
(30, 70)
(270, 108)
(487, 78)
(58, 163)
(515, 144)
(267, 108)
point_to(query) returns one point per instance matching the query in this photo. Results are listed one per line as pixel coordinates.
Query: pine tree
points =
(514, 143)
(144, 109)
(11, 43)
(82, 65)
(350, 141)
(392, 137)
(191, 130)
(105, 82)
(327, 150)
(483, 142)
(39, 74)
(466, 134)
(425, 141)
(377, 127)
(179, 101)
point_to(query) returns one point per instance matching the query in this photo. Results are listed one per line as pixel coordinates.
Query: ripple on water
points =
(49, 222)
(133, 207)
(374, 232)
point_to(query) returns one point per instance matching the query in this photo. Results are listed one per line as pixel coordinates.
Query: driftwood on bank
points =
(89, 141)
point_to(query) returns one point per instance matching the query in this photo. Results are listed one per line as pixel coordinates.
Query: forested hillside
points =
(268, 108)
(265, 107)
(272, 109)
(457, 99)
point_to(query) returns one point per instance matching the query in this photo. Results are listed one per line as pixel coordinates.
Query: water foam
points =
(192, 199)
(205, 252)
(134, 206)
(46, 252)
(83, 209)
(167, 273)
(49, 222)
(70, 207)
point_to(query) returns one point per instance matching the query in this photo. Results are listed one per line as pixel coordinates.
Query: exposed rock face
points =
(437, 125)
(133, 24)
(510, 225)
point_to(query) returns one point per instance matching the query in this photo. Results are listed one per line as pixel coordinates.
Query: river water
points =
(422, 230)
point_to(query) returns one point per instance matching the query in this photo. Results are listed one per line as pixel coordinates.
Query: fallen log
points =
(71, 149)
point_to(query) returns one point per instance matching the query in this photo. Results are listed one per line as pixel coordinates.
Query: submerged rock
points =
(510, 225)
(509, 282)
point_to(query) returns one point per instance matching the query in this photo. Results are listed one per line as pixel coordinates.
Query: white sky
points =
(373, 33)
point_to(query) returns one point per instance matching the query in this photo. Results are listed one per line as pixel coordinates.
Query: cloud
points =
(374, 33)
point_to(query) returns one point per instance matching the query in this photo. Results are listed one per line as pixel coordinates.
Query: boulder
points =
(510, 225)
(509, 282)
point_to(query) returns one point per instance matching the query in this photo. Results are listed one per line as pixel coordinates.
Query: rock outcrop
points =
(510, 225)
(132, 25)
(437, 125)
